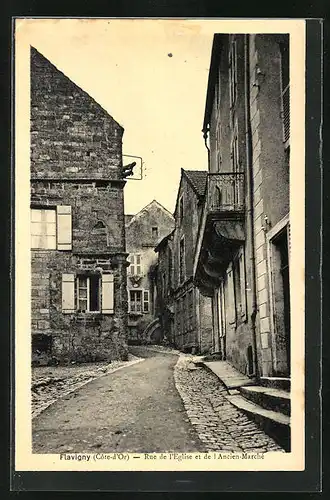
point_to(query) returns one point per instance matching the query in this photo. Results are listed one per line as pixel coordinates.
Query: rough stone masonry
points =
(79, 297)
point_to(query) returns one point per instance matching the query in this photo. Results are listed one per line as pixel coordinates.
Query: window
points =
(88, 293)
(218, 145)
(154, 232)
(182, 260)
(164, 284)
(135, 299)
(169, 268)
(232, 73)
(139, 301)
(43, 228)
(135, 268)
(285, 89)
(240, 286)
(51, 228)
(191, 309)
(235, 151)
(181, 209)
(146, 301)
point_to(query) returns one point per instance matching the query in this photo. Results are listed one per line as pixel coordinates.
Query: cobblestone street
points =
(219, 425)
(163, 403)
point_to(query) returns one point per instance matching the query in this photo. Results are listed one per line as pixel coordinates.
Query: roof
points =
(36, 56)
(163, 241)
(145, 209)
(198, 180)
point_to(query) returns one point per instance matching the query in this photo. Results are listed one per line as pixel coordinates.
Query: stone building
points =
(192, 314)
(79, 296)
(242, 250)
(143, 232)
(164, 309)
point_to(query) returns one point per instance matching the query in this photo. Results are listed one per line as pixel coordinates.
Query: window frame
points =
(132, 259)
(182, 260)
(88, 297)
(136, 291)
(51, 210)
(232, 63)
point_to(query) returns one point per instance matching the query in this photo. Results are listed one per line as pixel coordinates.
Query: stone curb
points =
(84, 382)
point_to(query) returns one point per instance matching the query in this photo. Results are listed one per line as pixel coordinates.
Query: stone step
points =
(275, 424)
(276, 382)
(268, 398)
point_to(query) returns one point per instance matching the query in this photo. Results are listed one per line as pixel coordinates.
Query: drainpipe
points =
(205, 132)
(249, 188)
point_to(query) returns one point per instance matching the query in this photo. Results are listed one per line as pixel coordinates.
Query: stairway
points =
(269, 405)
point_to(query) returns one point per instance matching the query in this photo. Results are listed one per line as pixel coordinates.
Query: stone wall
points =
(72, 136)
(270, 173)
(76, 161)
(141, 240)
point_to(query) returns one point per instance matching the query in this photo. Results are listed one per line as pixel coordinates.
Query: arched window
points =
(218, 197)
(99, 225)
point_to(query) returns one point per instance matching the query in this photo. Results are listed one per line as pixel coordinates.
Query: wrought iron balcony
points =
(225, 191)
(221, 227)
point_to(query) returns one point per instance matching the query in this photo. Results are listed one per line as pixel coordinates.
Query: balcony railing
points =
(225, 192)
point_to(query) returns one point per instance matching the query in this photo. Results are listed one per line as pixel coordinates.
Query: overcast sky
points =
(151, 76)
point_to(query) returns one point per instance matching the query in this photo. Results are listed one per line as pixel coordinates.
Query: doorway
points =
(281, 302)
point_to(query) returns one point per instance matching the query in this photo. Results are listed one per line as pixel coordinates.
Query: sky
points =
(151, 76)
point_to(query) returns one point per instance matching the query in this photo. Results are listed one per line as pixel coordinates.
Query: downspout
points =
(250, 212)
(205, 132)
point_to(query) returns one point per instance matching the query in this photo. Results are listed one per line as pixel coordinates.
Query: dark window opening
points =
(94, 293)
(41, 343)
(99, 225)
(182, 260)
(237, 284)
(88, 292)
(181, 209)
(154, 232)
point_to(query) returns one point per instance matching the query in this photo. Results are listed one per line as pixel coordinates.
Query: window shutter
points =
(68, 305)
(146, 301)
(243, 284)
(64, 227)
(231, 306)
(107, 294)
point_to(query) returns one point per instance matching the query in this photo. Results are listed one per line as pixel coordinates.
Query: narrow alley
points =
(157, 405)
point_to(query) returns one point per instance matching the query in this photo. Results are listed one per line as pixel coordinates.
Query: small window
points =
(146, 301)
(181, 209)
(99, 225)
(135, 268)
(233, 73)
(182, 260)
(43, 228)
(88, 293)
(135, 297)
(154, 232)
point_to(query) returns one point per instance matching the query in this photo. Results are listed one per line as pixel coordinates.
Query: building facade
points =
(187, 317)
(78, 257)
(143, 232)
(242, 252)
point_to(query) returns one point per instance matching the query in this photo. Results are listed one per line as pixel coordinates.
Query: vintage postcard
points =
(160, 246)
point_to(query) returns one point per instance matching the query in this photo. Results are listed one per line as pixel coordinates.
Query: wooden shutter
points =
(146, 301)
(68, 302)
(231, 306)
(242, 284)
(64, 227)
(107, 294)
